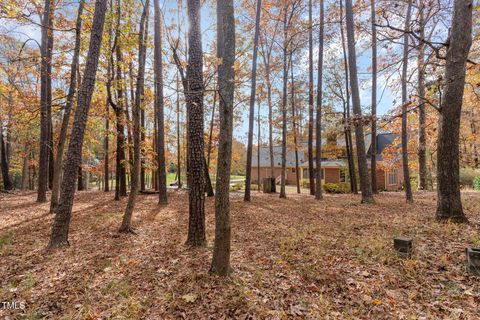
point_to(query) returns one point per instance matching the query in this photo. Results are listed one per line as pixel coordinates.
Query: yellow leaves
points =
(377, 302)
(236, 66)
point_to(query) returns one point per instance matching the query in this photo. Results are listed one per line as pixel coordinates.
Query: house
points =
(334, 170)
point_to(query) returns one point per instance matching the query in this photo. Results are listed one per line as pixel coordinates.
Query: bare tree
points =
(348, 127)
(226, 75)
(251, 116)
(406, 169)
(45, 99)
(61, 223)
(126, 225)
(318, 122)
(310, 100)
(373, 144)
(196, 157)
(68, 110)
(449, 204)
(422, 136)
(365, 183)
(160, 141)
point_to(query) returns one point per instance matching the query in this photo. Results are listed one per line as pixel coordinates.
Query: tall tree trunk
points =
(25, 170)
(365, 183)
(294, 126)
(143, 129)
(106, 148)
(120, 119)
(284, 105)
(251, 116)
(7, 183)
(422, 135)
(318, 122)
(266, 62)
(160, 141)
(259, 142)
(196, 156)
(373, 145)
(449, 204)
(179, 149)
(406, 169)
(80, 184)
(126, 225)
(208, 181)
(59, 236)
(348, 126)
(310, 101)
(72, 89)
(226, 75)
(45, 99)
(212, 120)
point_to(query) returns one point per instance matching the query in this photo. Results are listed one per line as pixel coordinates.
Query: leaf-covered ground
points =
(294, 258)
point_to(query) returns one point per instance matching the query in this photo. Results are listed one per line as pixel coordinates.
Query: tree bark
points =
(72, 89)
(45, 99)
(251, 116)
(365, 183)
(160, 141)
(449, 204)
(106, 149)
(208, 181)
(59, 235)
(406, 169)
(179, 160)
(226, 75)
(196, 156)
(7, 182)
(284, 105)
(310, 101)
(373, 144)
(25, 170)
(126, 226)
(318, 122)
(294, 127)
(348, 126)
(422, 135)
(143, 119)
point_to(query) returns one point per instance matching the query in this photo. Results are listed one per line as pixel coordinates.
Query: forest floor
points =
(293, 258)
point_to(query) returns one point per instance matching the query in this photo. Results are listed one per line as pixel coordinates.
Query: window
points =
(323, 173)
(293, 170)
(392, 177)
(342, 175)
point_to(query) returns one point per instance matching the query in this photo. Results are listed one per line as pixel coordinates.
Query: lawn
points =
(293, 258)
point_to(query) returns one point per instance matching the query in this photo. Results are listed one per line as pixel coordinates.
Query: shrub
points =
(476, 183)
(467, 176)
(305, 183)
(341, 187)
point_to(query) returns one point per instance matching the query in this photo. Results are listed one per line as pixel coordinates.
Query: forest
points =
(239, 159)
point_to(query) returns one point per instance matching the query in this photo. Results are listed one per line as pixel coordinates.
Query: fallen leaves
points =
(297, 258)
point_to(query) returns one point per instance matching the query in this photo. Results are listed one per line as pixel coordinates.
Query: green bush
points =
(341, 187)
(476, 183)
(467, 175)
(305, 183)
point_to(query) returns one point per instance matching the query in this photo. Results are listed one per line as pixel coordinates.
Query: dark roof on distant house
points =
(383, 141)
(277, 158)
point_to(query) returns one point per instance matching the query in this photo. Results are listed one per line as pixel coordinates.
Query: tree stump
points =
(403, 246)
(473, 260)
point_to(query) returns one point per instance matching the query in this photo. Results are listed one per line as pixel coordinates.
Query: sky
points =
(384, 93)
